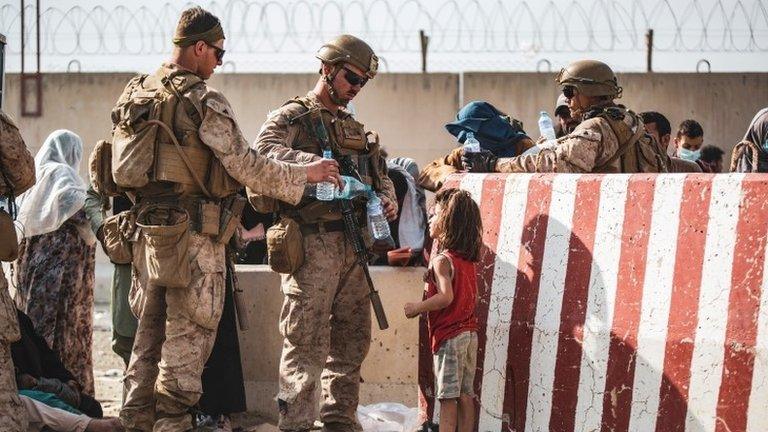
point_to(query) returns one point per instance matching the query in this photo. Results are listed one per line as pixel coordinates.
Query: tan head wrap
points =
(211, 36)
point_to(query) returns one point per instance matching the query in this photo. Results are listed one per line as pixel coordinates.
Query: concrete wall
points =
(389, 372)
(409, 110)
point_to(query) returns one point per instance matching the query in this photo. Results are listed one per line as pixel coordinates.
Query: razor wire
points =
(392, 26)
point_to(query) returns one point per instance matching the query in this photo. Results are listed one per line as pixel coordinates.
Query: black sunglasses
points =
(354, 79)
(569, 92)
(219, 51)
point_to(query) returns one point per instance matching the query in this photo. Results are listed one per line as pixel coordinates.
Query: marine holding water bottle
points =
(609, 139)
(326, 316)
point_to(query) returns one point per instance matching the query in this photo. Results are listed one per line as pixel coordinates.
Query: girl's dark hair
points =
(459, 225)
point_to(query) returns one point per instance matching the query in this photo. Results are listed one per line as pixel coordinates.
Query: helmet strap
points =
(328, 79)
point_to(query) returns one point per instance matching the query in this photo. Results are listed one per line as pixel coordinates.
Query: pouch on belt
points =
(231, 214)
(165, 237)
(118, 230)
(285, 246)
(9, 243)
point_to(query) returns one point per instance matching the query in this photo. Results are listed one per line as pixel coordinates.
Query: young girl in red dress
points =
(450, 299)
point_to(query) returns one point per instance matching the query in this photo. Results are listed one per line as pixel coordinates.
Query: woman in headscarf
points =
(751, 154)
(55, 268)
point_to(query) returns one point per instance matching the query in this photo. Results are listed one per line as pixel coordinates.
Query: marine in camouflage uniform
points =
(326, 316)
(177, 326)
(609, 139)
(18, 169)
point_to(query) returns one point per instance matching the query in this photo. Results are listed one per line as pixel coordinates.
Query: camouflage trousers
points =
(175, 335)
(326, 325)
(13, 417)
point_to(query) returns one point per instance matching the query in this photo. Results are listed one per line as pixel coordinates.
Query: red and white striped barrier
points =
(619, 303)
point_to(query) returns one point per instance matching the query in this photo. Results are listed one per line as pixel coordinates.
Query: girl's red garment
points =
(459, 316)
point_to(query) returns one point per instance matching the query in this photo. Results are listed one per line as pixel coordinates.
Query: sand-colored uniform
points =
(591, 148)
(18, 167)
(326, 314)
(177, 326)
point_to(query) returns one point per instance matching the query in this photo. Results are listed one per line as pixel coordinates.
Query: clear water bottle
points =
(325, 190)
(471, 144)
(546, 127)
(352, 188)
(376, 218)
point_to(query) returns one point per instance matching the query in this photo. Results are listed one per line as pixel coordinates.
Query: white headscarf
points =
(60, 191)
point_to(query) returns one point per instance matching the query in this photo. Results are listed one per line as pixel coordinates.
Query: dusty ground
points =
(107, 366)
(108, 372)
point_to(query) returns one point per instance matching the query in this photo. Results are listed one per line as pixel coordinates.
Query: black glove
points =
(483, 161)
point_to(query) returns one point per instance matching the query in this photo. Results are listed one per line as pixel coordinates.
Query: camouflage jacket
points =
(18, 167)
(288, 142)
(17, 163)
(218, 129)
(589, 148)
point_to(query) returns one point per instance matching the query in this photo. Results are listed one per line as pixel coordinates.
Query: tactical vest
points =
(347, 138)
(638, 151)
(156, 148)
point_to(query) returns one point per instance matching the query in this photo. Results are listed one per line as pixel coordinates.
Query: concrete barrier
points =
(390, 370)
(620, 303)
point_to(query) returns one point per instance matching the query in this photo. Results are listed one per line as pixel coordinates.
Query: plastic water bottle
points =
(546, 127)
(379, 225)
(325, 189)
(471, 144)
(352, 188)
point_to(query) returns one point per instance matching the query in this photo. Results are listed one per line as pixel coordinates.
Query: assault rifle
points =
(351, 227)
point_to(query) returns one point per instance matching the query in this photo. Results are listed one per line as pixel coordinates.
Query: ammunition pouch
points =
(351, 134)
(100, 170)
(285, 246)
(9, 243)
(117, 232)
(164, 239)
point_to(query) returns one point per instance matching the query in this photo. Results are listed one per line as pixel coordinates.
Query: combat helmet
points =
(350, 49)
(591, 78)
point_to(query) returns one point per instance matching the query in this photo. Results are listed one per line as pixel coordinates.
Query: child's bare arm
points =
(444, 296)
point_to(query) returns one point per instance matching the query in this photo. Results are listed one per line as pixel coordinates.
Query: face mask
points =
(690, 155)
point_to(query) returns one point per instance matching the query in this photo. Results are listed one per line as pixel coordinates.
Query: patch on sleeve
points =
(220, 107)
(587, 134)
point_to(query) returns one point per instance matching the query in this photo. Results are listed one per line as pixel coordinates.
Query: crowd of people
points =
(175, 231)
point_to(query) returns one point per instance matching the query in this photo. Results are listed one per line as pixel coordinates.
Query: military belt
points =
(200, 211)
(322, 227)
